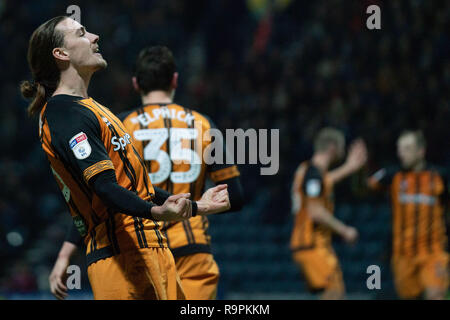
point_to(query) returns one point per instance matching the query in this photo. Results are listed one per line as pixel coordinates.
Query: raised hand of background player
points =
(214, 200)
(350, 235)
(357, 155)
(175, 208)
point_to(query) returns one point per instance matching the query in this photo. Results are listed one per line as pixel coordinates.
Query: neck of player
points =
(74, 83)
(157, 96)
(419, 166)
(321, 160)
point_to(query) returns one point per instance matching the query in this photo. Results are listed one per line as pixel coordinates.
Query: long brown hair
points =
(44, 69)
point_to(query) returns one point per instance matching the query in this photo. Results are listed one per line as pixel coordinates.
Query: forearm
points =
(295, 202)
(324, 217)
(340, 173)
(161, 196)
(118, 198)
(68, 249)
(202, 208)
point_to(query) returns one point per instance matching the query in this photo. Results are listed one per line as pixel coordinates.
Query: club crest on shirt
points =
(80, 146)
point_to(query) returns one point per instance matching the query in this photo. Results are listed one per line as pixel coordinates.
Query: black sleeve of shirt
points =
(313, 183)
(235, 192)
(118, 198)
(68, 120)
(123, 115)
(73, 236)
(161, 196)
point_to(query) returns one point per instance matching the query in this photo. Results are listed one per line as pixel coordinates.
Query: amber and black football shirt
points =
(81, 139)
(419, 203)
(171, 140)
(310, 184)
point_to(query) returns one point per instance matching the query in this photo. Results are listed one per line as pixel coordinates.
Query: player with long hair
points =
(102, 177)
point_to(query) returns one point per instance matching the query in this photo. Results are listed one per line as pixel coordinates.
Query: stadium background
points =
(294, 65)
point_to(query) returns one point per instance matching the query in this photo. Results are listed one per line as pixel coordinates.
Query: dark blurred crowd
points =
(291, 65)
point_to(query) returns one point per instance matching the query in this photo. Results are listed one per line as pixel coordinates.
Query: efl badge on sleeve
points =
(80, 146)
(313, 187)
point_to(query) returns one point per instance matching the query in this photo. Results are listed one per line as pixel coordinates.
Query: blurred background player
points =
(419, 200)
(313, 206)
(157, 126)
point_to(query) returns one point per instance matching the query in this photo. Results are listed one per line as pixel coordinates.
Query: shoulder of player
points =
(310, 178)
(206, 120)
(397, 170)
(442, 171)
(301, 168)
(300, 172)
(198, 116)
(312, 172)
(125, 115)
(63, 109)
(313, 181)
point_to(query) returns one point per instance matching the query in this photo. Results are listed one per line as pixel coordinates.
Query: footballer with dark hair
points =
(177, 133)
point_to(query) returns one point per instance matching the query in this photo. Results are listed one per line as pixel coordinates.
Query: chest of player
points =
(418, 188)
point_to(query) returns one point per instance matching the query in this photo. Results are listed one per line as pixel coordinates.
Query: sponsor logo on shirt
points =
(417, 198)
(121, 143)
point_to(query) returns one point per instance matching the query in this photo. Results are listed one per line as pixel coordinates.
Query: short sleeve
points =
(313, 183)
(76, 137)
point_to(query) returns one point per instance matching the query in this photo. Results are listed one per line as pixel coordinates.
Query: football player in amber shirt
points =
(313, 207)
(419, 201)
(170, 138)
(162, 131)
(99, 172)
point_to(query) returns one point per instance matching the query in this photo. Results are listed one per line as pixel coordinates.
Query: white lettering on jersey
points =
(417, 198)
(121, 143)
(145, 118)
